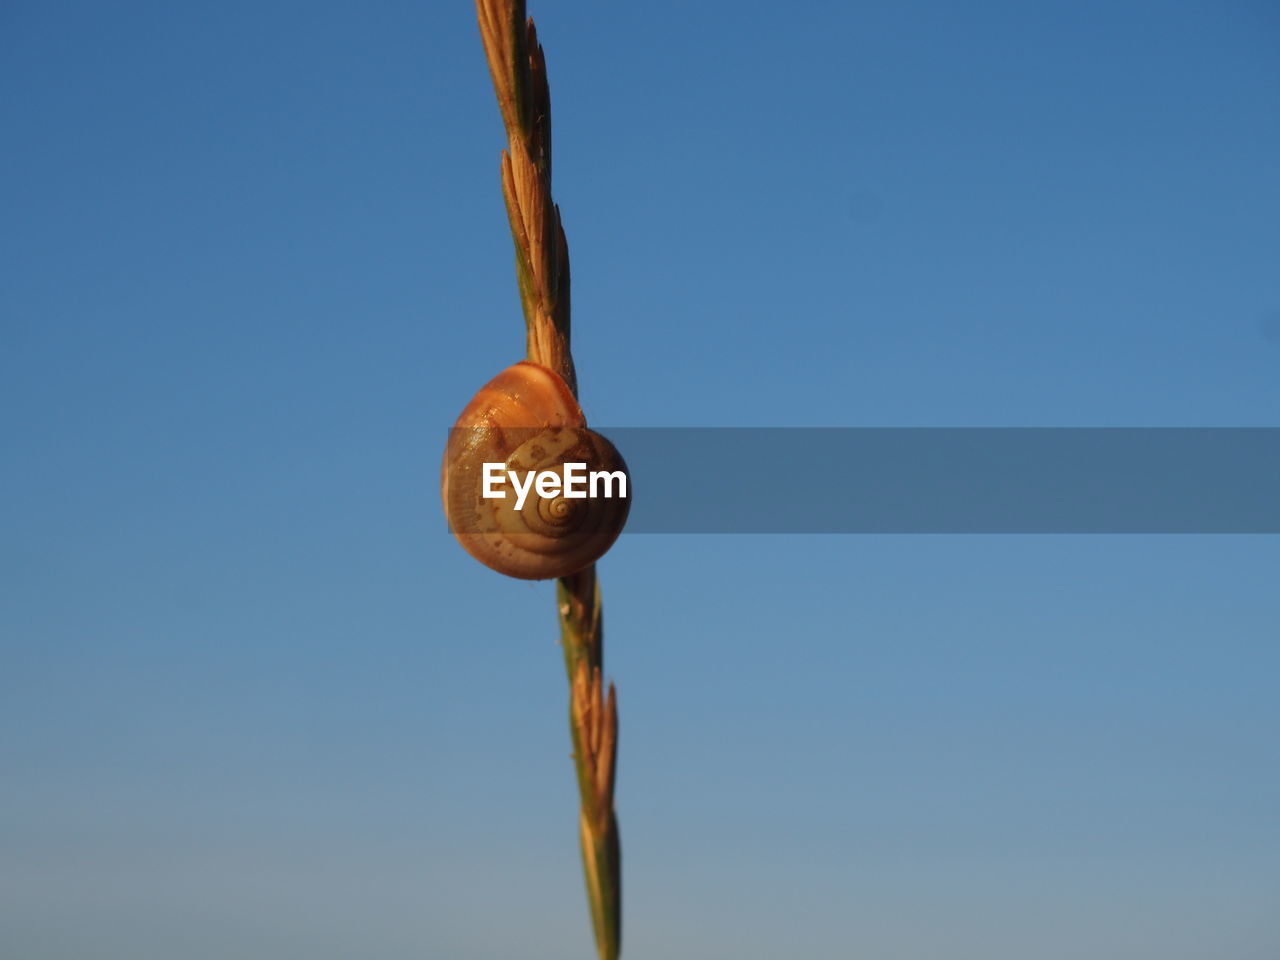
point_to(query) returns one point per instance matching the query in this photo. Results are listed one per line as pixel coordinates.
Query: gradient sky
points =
(255, 702)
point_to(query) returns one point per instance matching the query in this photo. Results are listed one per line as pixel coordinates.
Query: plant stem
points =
(518, 69)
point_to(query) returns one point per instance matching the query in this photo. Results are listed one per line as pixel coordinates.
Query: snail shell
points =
(527, 419)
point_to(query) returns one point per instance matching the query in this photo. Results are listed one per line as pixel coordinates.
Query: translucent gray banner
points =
(951, 480)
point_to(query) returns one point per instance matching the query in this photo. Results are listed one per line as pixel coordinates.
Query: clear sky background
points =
(255, 702)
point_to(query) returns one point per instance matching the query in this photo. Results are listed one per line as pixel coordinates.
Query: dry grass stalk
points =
(518, 68)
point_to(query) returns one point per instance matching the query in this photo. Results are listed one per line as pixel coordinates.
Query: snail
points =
(527, 419)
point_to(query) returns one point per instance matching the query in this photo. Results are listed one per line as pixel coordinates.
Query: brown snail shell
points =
(527, 419)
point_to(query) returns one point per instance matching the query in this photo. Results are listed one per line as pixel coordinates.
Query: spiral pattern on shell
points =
(527, 419)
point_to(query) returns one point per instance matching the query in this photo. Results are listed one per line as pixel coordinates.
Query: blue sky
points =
(255, 701)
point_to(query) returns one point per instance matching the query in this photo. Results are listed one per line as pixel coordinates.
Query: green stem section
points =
(593, 724)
